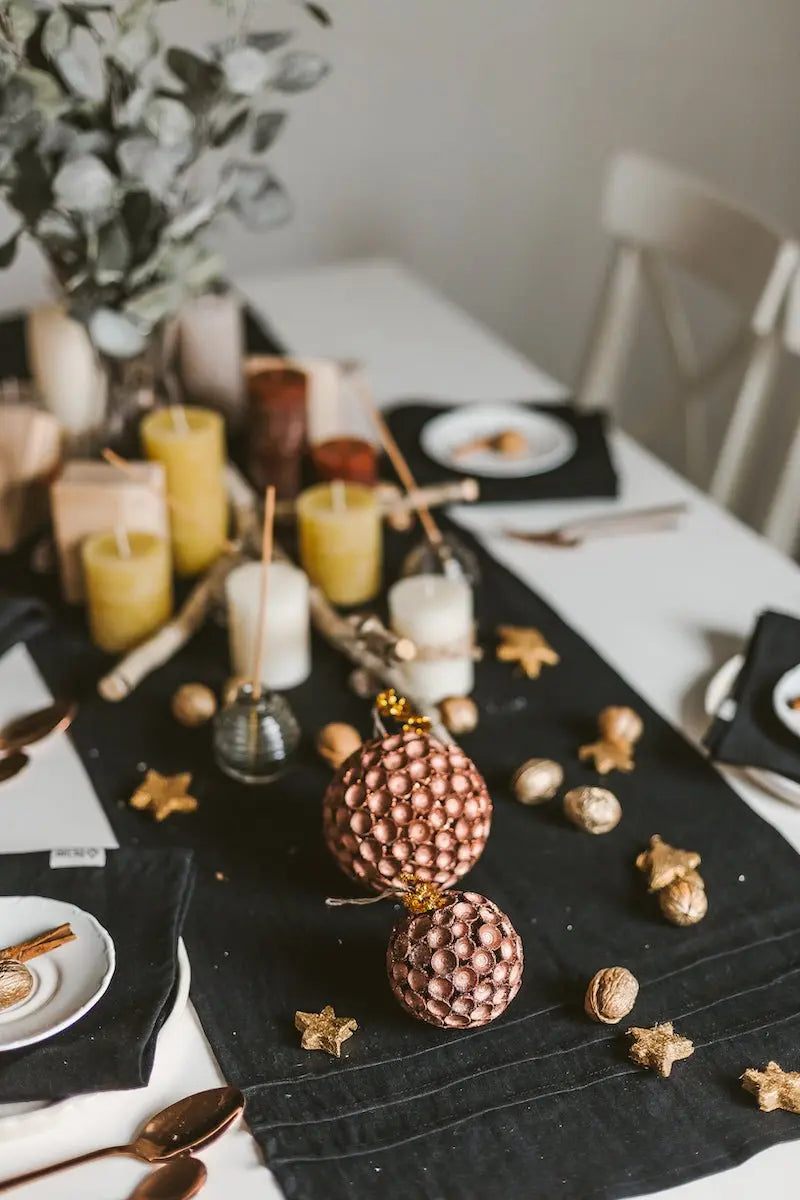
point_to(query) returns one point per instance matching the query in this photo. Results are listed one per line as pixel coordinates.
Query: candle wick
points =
(266, 556)
(338, 496)
(122, 540)
(179, 422)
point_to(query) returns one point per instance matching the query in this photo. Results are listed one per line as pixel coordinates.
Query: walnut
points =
(595, 809)
(537, 780)
(684, 901)
(611, 995)
(459, 713)
(194, 704)
(336, 742)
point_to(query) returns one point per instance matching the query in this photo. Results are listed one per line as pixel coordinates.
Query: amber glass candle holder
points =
(351, 459)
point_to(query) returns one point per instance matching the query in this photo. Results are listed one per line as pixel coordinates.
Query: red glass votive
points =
(350, 459)
(277, 429)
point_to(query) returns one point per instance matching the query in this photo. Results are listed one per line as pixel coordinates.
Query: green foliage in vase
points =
(117, 151)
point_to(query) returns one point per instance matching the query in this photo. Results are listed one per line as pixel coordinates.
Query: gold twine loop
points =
(389, 704)
(420, 896)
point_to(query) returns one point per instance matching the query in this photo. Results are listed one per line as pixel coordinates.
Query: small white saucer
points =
(717, 700)
(67, 982)
(551, 442)
(787, 689)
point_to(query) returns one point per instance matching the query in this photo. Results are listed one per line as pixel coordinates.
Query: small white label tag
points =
(78, 856)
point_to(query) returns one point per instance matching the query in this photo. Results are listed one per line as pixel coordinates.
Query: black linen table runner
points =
(541, 1102)
(542, 1094)
(753, 736)
(589, 474)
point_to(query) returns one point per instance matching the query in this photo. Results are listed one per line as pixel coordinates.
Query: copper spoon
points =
(179, 1129)
(177, 1180)
(32, 727)
(12, 764)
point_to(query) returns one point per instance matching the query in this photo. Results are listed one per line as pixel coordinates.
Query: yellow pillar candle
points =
(190, 442)
(128, 579)
(341, 546)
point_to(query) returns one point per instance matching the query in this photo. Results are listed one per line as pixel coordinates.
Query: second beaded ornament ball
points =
(406, 803)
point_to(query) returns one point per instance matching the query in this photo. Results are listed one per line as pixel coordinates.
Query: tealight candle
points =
(435, 612)
(341, 542)
(286, 660)
(128, 587)
(190, 442)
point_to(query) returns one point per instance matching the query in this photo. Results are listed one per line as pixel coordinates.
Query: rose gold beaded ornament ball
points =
(457, 965)
(406, 803)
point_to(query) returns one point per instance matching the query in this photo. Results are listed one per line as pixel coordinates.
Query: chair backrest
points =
(659, 217)
(782, 524)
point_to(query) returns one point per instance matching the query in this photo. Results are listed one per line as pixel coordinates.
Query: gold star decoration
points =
(324, 1030)
(663, 864)
(163, 795)
(773, 1087)
(528, 647)
(658, 1048)
(608, 756)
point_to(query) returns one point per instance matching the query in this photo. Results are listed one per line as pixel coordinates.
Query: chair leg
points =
(603, 368)
(782, 526)
(748, 412)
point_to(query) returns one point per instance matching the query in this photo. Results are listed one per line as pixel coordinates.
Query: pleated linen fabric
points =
(754, 736)
(541, 1099)
(140, 897)
(588, 474)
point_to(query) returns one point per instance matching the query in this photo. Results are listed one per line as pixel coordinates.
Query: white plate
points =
(37, 1116)
(717, 695)
(787, 689)
(551, 443)
(67, 982)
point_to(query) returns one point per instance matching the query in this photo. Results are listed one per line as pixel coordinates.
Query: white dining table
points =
(665, 609)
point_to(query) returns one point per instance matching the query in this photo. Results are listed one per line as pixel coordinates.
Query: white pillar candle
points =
(436, 614)
(210, 353)
(287, 645)
(66, 370)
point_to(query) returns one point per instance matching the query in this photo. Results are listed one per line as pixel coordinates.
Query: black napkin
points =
(589, 473)
(754, 737)
(140, 897)
(21, 618)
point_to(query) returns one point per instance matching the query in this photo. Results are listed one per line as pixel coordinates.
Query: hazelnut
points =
(336, 742)
(194, 704)
(459, 713)
(537, 780)
(595, 809)
(611, 995)
(684, 901)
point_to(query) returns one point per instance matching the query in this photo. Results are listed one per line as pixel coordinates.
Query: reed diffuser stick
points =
(122, 540)
(396, 457)
(266, 558)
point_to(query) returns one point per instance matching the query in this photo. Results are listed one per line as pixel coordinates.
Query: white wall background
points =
(468, 138)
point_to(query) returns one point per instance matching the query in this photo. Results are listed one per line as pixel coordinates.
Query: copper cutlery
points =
(574, 533)
(28, 729)
(181, 1128)
(177, 1180)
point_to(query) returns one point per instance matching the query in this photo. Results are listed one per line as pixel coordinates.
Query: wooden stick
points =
(266, 559)
(42, 944)
(179, 421)
(392, 506)
(395, 455)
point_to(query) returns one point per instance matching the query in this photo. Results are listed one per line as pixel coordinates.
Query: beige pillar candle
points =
(341, 540)
(128, 587)
(190, 442)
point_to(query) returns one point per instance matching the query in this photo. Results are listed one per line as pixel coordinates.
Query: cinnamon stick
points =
(43, 944)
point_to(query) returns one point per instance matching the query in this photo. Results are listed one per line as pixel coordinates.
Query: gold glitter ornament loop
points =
(389, 704)
(420, 896)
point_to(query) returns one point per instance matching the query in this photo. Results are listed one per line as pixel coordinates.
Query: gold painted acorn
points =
(537, 780)
(193, 704)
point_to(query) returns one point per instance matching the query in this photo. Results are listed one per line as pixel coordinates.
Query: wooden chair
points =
(658, 218)
(782, 524)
